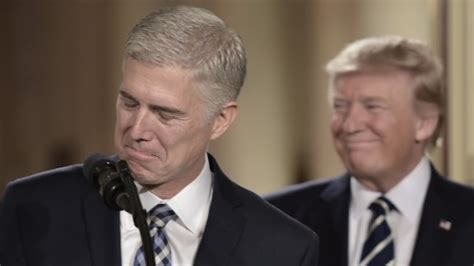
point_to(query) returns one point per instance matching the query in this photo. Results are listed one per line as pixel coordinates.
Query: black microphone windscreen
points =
(94, 165)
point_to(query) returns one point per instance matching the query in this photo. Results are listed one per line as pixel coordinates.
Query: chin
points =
(361, 173)
(362, 166)
(143, 180)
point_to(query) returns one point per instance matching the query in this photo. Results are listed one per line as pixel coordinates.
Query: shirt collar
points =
(190, 203)
(408, 195)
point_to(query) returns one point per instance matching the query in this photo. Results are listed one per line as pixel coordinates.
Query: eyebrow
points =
(340, 97)
(154, 107)
(374, 99)
(126, 95)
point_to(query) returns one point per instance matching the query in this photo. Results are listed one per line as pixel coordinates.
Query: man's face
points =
(375, 127)
(161, 129)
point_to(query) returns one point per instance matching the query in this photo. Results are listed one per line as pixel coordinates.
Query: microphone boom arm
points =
(138, 213)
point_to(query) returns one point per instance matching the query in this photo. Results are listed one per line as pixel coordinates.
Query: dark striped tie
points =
(159, 216)
(379, 247)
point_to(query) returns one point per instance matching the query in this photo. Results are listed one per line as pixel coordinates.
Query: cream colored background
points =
(61, 66)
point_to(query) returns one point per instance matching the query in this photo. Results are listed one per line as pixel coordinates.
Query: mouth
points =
(355, 144)
(138, 155)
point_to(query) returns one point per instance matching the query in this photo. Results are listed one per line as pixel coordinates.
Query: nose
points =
(354, 120)
(141, 126)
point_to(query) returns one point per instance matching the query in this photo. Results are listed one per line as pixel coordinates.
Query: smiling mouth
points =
(358, 143)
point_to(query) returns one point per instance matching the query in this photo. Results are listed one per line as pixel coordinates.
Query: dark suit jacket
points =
(324, 207)
(56, 218)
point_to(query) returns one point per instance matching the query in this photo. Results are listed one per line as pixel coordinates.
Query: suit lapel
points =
(435, 225)
(224, 225)
(337, 197)
(103, 231)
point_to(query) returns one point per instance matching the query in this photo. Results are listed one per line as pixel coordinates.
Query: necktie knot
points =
(160, 215)
(382, 206)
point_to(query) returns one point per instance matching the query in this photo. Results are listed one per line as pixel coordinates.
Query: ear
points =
(224, 119)
(425, 127)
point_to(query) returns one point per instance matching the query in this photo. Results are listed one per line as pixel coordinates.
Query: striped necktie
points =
(159, 216)
(379, 246)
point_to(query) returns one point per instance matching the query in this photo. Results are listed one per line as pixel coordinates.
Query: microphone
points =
(115, 184)
(102, 173)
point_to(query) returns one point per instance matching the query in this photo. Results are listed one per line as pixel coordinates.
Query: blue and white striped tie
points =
(159, 216)
(379, 246)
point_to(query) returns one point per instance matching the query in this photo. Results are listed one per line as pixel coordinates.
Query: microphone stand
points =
(137, 211)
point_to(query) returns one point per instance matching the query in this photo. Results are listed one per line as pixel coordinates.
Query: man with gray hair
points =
(182, 73)
(391, 207)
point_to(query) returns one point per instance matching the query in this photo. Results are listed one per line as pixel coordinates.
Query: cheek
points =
(118, 126)
(122, 119)
(389, 128)
(335, 125)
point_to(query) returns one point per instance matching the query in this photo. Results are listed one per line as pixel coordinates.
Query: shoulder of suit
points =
(453, 189)
(57, 174)
(255, 207)
(303, 191)
(52, 181)
(259, 212)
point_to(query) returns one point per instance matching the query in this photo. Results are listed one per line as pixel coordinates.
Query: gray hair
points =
(395, 52)
(196, 40)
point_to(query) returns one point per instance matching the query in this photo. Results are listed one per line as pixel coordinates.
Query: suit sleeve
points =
(11, 248)
(311, 257)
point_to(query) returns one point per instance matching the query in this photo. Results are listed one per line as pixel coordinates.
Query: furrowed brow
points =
(154, 107)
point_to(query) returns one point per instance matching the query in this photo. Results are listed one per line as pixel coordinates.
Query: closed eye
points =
(166, 113)
(340, 106)
(130, 104)
(374, 106)
(127, 100)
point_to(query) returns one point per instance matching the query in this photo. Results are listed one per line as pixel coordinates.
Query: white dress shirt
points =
(408, 196)
(184, 234)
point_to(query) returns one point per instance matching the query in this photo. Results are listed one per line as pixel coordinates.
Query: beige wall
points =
(461, 93)
(62, 68)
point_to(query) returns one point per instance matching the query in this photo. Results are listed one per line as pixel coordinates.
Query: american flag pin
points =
(445, 225)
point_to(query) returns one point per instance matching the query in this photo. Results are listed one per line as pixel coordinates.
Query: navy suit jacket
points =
(56, 218)
(324, 207)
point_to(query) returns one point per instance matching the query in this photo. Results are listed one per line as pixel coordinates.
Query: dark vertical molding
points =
(298, 50)
(5, 90)
(444, 50)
